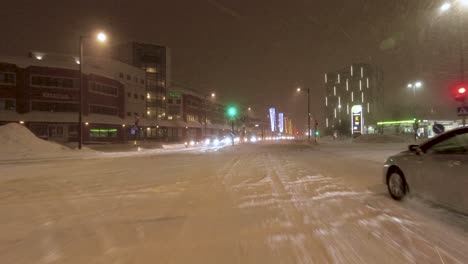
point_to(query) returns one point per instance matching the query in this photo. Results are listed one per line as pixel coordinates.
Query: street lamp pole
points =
(308, 113)
(80, 96)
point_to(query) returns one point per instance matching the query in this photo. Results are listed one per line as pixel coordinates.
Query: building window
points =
(169, 101)
(367, 81)
(54, 82)
(142, 97)
(362, 97)
(121, 75)
(103, 110)
(334, 90)
(129, 77)
(103, 133)
(326, 78)
(135, 96)
(8, 104)
(7, 78)
(178, 101)
(191, 118)
(51, 106)
(142, 81)
(129, 94)
(129, 113)
(103, 89)
(326, 101)
(360, 85)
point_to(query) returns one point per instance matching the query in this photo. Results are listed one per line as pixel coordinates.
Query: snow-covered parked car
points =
(437, 170)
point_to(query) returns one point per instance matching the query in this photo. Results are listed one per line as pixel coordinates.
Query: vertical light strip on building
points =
(362, 72)
(360, 85)
(334, 90)
(326, 78)
(347, 109)
(368, 107)
(352, 96)
(367, 80)
(347, 85)
(339, 78)
(335, 112)
(326, 101)
(352, 72)
(326, 121)
(339, 102)
(362, 97)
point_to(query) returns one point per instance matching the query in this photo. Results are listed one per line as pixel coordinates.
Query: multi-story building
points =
(42, 91)
(156, 62)
(357, 84)
(188, 109)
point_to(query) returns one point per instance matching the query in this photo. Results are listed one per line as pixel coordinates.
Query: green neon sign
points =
(396, 122)
(103, 130)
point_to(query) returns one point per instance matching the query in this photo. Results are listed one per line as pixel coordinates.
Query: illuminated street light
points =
(298, 89)
(101, 37)
(418, 84)
(250, 109)
(410, 85)
(213, 95)
(445, 6)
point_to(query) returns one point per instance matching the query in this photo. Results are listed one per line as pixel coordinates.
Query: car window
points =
(457, 144)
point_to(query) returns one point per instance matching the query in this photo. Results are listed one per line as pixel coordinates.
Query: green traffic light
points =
(316, 133)
(232, 111)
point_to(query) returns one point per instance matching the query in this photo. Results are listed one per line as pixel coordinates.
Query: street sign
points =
(462, 111)
(438, 128)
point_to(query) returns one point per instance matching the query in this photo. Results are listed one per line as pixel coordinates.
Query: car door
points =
(445, 171)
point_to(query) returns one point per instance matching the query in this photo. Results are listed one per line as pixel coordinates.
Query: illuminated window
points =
(362, 72)
(339, 79)
(367, 82)
(347, 85)
(326, 101)
(362, 97)
(352, 96)
(334, 90)
(347, 109)
(326, 78)
(335, 112)
(368, 107)
(360, 85)
(326, 121)
(352, 71)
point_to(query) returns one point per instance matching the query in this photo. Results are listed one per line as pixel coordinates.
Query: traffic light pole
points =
(232, 131)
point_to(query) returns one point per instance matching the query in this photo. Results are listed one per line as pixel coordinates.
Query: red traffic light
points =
(460, 92)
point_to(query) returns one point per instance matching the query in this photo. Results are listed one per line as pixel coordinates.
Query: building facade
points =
(358, 84)
(42, 92)
(187, 111)
(156, 62)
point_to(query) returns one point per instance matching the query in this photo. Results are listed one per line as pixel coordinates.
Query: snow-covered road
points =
(253, 203)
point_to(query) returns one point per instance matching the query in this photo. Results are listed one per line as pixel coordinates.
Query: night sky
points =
(254, 52)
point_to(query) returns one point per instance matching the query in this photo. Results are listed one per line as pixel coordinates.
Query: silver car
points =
(437, 170)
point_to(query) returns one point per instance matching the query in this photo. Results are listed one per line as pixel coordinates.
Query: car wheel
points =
(396, 185)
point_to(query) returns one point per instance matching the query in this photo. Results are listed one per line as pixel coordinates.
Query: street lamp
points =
(213, 95)
(414, 86)
(444, 8)
(299, 89)
(101, 37)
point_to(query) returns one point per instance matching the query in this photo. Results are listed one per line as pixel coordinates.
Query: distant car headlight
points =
(192, 143)
(207, 141)
(253, 139)
(216, 142)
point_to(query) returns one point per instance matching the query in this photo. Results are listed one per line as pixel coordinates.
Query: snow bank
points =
(173, 146)
(18, 142)
(381, 139)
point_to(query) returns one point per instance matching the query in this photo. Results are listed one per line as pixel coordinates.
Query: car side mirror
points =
(413, 148)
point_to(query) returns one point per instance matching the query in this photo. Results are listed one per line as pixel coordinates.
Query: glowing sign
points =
(273, 119)
(281, 122)
(356, 120)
